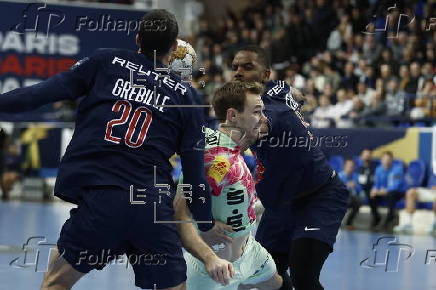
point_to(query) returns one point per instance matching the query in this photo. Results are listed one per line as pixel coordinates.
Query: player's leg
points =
(274, 283)
(258, 268)
(306, 259)
(60, 275)
(282, 264)
(317, 221)
(155, 249)
(90, 238)
(273, 234)
(197, 276)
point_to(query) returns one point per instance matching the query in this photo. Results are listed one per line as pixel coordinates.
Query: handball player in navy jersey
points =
(116, 166)
(303, 197)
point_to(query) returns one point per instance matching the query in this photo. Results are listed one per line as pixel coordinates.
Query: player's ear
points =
(231, 115)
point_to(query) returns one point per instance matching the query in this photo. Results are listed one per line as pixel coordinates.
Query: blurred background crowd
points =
(359, 63)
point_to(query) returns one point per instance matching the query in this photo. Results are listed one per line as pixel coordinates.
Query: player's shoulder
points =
(113, 54)
(276, 88)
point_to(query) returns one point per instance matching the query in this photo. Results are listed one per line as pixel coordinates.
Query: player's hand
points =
(219, 269)
(217, 235)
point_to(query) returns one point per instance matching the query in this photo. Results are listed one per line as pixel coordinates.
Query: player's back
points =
(122, 132)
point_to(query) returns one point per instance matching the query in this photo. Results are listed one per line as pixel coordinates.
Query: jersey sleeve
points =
(71, 84)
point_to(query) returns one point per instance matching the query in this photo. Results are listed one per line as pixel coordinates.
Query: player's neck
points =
(164, 59)
(236, 135)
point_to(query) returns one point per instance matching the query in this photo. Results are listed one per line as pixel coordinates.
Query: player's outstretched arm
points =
(70, 84)
(219, 269)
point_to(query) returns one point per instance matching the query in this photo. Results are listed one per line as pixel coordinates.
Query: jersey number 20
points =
(126, 108)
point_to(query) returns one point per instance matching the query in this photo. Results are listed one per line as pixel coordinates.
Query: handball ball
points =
(183, 58)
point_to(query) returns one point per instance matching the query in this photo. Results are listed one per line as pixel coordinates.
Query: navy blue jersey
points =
(121, 132)
(290, 165)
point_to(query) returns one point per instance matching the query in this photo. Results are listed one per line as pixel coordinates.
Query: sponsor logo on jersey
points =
(219, 168)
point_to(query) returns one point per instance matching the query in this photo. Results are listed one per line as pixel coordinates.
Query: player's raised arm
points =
(70, 84)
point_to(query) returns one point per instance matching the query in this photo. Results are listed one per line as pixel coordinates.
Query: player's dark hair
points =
(158, 31)
(233, 95)
(389, 153)
(262, 55)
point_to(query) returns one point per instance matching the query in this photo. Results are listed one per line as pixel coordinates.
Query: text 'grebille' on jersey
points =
(121, 131)
(288, 165)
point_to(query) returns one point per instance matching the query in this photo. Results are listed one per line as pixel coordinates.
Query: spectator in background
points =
(322, 116)
(413, 195)
(366, 172)
(395, 99)
(404, 76)
(371, 49)
(389, 184)
(387, 59)
(351, 180)
(349, 79)
(332, 77)
(386, 75)
(377, 108)
(412, 85)
(364, 93)
(341, 110)
(296, 37)
(358, 107)
(426, 74)
(369, 77)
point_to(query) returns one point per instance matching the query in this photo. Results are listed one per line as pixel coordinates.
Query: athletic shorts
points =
(106, 226)
(317, 216)
(426, 194)
(254, 266)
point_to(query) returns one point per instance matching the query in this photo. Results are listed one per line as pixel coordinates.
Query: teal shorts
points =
(254, 266)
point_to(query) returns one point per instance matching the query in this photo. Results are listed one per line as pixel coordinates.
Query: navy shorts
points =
(106, 225)
(317, 216)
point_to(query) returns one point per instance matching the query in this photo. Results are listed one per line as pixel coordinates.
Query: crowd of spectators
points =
(353, 73)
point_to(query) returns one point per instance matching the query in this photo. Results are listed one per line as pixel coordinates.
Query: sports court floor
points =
(409, 262)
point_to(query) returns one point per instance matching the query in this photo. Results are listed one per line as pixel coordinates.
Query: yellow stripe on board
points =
(406, 148)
